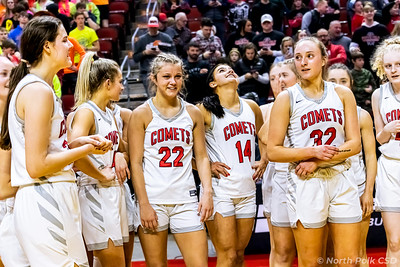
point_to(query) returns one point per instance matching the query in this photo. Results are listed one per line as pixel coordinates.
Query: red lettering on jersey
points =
(333, 113)
(244, 127)
(226, 134)
(321, 115)
(169, 135)
(251, 127)
(63, 128)
(232, 129)
(65, 144)
(187, 137)
(153, 138)
(340, 119)
(182, 134)
(303, 122)
(160, 135)
(311, 118)
(327, 114)
(239, 128)
(113, 137)
(393, 115)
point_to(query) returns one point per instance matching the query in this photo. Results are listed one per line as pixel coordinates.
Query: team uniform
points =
(358, 166)
(46, 211)
(167, 170)
(129, 198)
(388, 173)
(279, 208)
(103, 204)
(231, 140)
(328, 193)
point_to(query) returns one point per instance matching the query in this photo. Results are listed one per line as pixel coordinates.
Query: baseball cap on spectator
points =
(162, 17)
(153, 22)
(266, 17)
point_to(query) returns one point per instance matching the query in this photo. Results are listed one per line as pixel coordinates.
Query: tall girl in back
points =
(46, 211)
(232, 125)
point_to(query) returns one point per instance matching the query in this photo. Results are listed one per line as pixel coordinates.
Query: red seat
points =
(68, 103)
(110, 34)
(118, 21)
(194, 25)
(343, 14)
(343, 3)
(106, 49)
(194, 14)
(119, 8)
(345, 28)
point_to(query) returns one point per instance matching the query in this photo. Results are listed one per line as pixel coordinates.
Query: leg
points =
(244, 229)
(272, 254)
(187, 241)
(221, 231)
(330, 252)
(128, 249)
(345, 245)
(392, 228)
(363, 242)
(285, 246)
(154, 247)
(111, 256)
(309, 242)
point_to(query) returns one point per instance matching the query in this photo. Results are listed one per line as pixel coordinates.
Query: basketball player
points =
(320, 120)
(163, 133)
(364, 173)
(231, 125)
(46, 210)
(386, 106)
(104, 218)
(283, 250)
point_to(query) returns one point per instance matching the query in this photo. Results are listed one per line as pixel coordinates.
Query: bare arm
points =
(6, 190)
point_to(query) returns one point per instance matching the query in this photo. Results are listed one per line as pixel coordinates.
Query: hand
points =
(148, 217)
(269, 52)
(392, 127)
(173, 7)
(305, 168)
(288, 55)
(259, 166)
(255, 75)
(217, 53)
(121, 168)
(263, 52)
(368, 89)
(152, 52)
(73, 68)
(86, 14)
(218, 168)
(207, 54)
(248, 76)
(367, 204)
(108, 173)
(325, 152)
(206, 207)
(203, 71)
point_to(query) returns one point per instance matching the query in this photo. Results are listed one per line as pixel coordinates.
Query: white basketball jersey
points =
(57, 140)
(357, 162)
(231, 140)
(105, 127)
(167, 158)
(315, 122)
(389, 108)
(117, 116)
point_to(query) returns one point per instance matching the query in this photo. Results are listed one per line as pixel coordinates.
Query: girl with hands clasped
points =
(320, 120)
(385, 106)
(162, 136)
(364, 173)
(232, 125)
(105, 222)
(46, 211)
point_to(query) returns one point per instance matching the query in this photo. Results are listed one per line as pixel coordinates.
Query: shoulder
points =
(165, 37)
(365, 119)
(193, 111)
(342, 90)
(253, 105)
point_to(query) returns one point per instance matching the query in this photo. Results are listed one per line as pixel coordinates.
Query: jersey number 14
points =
(244, 153)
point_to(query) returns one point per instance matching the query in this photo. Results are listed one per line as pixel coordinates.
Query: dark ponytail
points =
(211, 102)
(36, 33)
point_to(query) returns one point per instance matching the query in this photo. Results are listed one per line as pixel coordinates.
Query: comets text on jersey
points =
(169, 134)
(321, 115)
(113, 137)
(241, 127)
(393, 115)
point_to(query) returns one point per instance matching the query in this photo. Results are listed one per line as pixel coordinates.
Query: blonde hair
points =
(387, 46)
(93, 71)
(159, 62)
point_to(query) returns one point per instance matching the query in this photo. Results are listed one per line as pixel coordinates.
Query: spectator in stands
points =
(268, 42)
(238, 11)
(64, 7)
(3, 34)
(358, 17)
(197, 71)
(215, 10)
(265, 7)
(10, 4)
(253, 74)
(183, 34)
(76, 53)
(234, 57)
(300, 34)
(337, 37)
(315, 19)
(41, 5)
(149, 46)
(53, 9)
(86, 36)
(363, 82)
(90, 18)
(295, 16)
(173, 7)
(286, 48)
(210, 45)
(242, 36)
(369, 35)
(336, 53)
(396, 30)
(9, 47)
(390, 15)
(162, 22)
(15, 34)
(90, 7)
(102, 5)
(14, 19)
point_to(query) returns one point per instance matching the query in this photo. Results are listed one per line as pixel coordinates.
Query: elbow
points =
(272, 155)
(35, 172)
